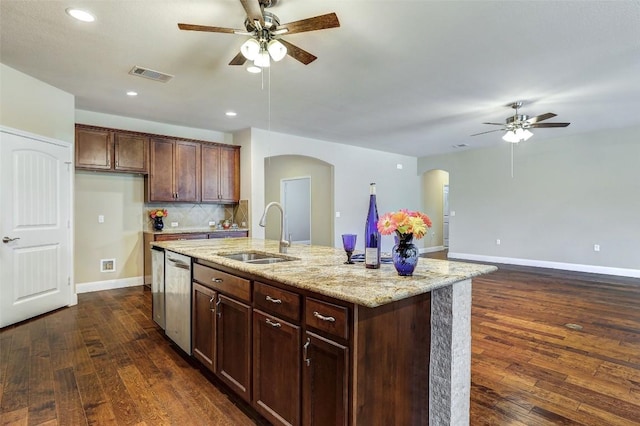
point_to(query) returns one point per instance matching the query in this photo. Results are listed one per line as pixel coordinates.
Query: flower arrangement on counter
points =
(158, 213)
(404, 222)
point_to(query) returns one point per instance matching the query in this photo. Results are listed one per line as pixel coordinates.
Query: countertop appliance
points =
(177, 297)
(157, 285)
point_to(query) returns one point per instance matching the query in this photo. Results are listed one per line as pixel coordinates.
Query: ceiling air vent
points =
(150, 74)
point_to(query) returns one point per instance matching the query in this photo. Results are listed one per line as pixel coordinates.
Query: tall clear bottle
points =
(371, 234)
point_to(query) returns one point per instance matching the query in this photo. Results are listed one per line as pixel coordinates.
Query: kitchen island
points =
(405, 341)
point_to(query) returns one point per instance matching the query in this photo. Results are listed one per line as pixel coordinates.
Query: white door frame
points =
(51, 242)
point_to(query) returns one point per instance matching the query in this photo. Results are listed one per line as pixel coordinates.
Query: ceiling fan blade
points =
(540, 117)
(495, 124)
(297, 53)
(488, 131)
(239, 59)
(190, 27)
(254, 12)
(330, 20)
(540, 125)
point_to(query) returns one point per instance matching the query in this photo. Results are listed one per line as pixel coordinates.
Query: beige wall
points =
(321, 174)
(119, 197)
(33, 106)
(432, 183)
(566, 195)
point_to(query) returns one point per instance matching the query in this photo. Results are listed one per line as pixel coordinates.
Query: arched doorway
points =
(286, 168)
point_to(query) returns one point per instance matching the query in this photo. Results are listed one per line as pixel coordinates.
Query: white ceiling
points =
(412, 77)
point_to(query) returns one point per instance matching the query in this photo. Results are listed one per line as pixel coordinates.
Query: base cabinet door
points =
(204, 325)
(233, 345)
(325, 379)
(276, 369)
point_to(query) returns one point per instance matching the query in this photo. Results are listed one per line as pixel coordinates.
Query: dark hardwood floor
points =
(549, 348)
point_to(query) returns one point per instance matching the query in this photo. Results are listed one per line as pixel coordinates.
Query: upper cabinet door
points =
(160, 181)
(187, 171)
(229, 174)
(94, 149)
(220, 174)
(131, 153)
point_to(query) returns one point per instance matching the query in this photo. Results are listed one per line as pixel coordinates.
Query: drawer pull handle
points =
(271, 299)
(216, 280)
(273, 324)
(323, 318)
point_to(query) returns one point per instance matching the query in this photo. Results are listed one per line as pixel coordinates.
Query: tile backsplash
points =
(198, 215)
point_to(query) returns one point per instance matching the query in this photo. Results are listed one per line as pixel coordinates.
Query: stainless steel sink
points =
(257, 257)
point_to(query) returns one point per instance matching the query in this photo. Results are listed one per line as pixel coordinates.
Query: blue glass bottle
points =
(371, 234)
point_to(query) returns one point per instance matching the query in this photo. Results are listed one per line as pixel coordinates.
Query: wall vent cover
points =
(150, 74)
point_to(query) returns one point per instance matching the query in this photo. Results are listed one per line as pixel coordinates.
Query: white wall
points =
(566, 195)
(354, 169)
(31, 105)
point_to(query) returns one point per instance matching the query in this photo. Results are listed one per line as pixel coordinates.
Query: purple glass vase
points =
(405, 255)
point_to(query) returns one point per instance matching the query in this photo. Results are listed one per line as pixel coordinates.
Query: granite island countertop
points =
(322, 270)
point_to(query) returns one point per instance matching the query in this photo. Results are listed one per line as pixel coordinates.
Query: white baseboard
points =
(109, 284)
(606, 270)
(431, 249)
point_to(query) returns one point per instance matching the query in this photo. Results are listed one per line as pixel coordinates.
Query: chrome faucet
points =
(263, 222)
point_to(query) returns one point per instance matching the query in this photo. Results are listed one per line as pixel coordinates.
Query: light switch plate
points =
(174, 224)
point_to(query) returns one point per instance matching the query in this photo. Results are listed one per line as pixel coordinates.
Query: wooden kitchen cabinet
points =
(203, 325)
(103, 149)
(276, 354)
(325, 381)
(220, 173)
(233, 345)
(174, 171)
(301, 358)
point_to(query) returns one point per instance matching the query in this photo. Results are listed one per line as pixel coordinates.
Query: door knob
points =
(8, 240)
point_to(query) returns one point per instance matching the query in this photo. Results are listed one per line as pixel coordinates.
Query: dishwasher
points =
(157, 285)
(177, 297)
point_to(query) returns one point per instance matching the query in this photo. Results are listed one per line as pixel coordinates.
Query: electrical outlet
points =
(174, 224)
(212, 223)
(107, 265)
(596, 247)
(452, 213)
(498, 242)
(101, 218)
(337, 214)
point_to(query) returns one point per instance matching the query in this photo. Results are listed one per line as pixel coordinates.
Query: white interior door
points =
(445, 216)
(296, 200)
(35, 222)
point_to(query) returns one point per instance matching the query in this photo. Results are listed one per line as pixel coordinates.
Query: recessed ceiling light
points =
(132, 93)
(81, 15)
(253, 69)
(231, 113)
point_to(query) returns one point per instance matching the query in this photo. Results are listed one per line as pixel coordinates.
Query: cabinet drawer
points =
(327, 317)
(177, 237)
(223, 282)
(275, 300)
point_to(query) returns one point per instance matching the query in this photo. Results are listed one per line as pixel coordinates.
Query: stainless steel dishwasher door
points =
(177, 298)
(157, 285)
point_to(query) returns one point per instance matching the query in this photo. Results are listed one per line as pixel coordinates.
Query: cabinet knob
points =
(217, 280)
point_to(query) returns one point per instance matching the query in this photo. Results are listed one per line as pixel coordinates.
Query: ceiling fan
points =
(517, 126)
(265, 31)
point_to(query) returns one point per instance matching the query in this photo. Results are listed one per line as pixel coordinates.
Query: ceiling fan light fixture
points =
(517, 135)
(250, 49)
(277, 50)
(254, 69)
(80, 15)
(262, 60)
